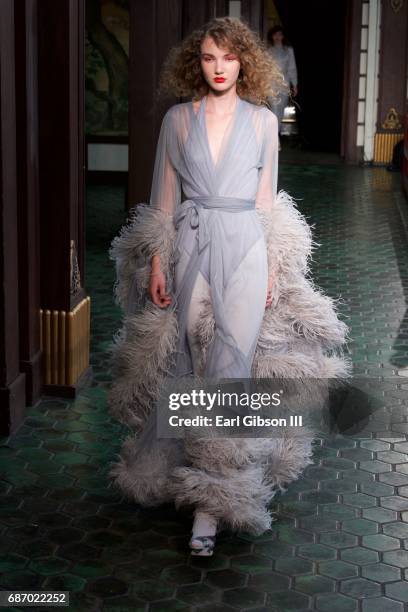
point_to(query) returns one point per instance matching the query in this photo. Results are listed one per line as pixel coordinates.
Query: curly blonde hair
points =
(259, 76)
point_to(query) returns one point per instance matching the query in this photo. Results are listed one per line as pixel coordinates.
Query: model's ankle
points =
(204, 524)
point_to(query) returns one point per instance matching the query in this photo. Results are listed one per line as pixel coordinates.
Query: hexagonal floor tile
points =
(399, 558)
(338, 539)
(334, 602)
(397, 590)
(64, 582)
(394, 478)
(381, 604)
(243, 598)
(312, 585)
(380, 515)
(197, 593)
(392, 457)
(292, 566)
(185, 574)
(338, 569)
(360, 588)
(359, 555)
(376, 488)
(152, 590)
(359, 499)
(396, 530)
(380, 542)
(380, 572)
(269, 582)
(316, 552)
(251, 564)
(374, 466)
(360, 526)
(287, 600)
(48, 566)
(394, 502)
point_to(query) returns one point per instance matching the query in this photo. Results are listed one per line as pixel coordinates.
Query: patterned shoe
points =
(202, 546)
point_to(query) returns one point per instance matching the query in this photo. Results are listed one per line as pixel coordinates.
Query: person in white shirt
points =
(283, 54)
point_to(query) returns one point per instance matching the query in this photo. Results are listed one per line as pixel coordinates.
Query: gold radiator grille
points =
(65, 338)
(383, 147)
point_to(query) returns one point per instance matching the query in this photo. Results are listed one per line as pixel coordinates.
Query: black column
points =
(154, 28)
(12, 381)
(26, 47)
(61, 147)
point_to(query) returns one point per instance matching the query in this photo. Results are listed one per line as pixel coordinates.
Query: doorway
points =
(319, 55)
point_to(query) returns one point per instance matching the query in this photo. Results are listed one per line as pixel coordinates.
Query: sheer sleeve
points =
(165, 191)
(268, 171)
(292, 70)
(149, 229)
(287, 234)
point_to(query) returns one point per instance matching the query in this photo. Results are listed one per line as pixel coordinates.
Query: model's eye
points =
(231, 58)
(207, 59)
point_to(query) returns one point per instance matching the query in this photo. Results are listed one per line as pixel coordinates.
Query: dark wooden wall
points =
(61, 147)
(41, 183)
(393, 63)
(12, 380)
(153, 30)
(28, 194)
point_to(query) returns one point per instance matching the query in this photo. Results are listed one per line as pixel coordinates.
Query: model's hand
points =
(269, 293)
(157, 289)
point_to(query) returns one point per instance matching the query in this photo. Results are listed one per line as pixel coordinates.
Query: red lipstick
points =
(219, 79)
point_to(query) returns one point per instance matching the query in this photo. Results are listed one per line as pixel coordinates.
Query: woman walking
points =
(214, 285)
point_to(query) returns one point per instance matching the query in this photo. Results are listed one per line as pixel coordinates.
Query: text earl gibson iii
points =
(237, 421)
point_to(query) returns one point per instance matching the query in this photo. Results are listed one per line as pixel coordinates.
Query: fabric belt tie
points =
(195, 209)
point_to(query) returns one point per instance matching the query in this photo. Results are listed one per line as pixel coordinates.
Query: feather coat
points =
(301, 338)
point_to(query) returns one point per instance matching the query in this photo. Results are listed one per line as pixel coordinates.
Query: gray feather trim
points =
(301, 340)
(237, 500)
(225, 454)
(289, 454)
(148, 231)
(145, 477)
(136, 379)
(288, 240)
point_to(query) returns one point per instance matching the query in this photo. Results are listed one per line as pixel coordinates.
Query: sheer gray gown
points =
(220, 246)
(219, 234)
(209, 216)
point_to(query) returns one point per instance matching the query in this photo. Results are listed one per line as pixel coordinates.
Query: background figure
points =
(283, 54)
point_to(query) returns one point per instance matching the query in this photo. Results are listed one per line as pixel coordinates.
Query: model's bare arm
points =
(157, 285)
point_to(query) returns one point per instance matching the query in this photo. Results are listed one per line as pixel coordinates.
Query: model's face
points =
(278, 38)
(219, 65)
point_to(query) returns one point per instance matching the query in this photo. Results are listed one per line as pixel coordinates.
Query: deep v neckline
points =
(200, 117)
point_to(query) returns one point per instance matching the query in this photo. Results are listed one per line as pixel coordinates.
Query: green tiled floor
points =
(340, 539)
